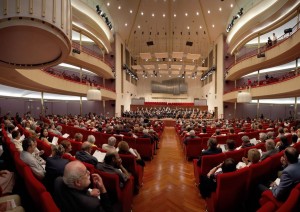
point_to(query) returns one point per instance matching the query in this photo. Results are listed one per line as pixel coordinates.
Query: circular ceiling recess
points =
(38, 37)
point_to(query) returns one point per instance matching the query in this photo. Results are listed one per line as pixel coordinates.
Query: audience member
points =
(282, 144)
(78, 137)
(211, 150)
(67, 146)
(26, 155)
(84, 154)
(124, 149)
(191, 135)
(270, 149)
(92, 140)
(16, 140)
(253, 157)
(290, 175)
(55, 166)
(208, 183)
(113, 164)
(230, 145)
(44, 136)
(72, 194)
(246, 142)
(110, 146)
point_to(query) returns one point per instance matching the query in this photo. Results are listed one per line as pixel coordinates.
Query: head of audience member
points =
(260, 127)
(57, 150)
(145, 132)
(44, 133)
(28, 145)
(253, 155)
(67, 146)
(87, 147)
(280, 131)
(270, 135)
(231, 130)
(78, 137)
(192, 133)
(284, 141)
(218, 132)
(245, 140)
(203, 130)
(230, 144)
(229, 165)
(59, 128)
(291, 155)
(76, 175)
(110, 129)
(16, 134)
(123, 147)
(113, 159)
(270, 144)
(212, 143)
(111, 141)
(262, 137)
(91, 139)
(52, 126)
(294, 138)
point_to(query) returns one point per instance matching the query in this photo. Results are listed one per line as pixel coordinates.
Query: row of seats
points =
(270, 204)
(235, 190)
(41, 198)
(123, 197)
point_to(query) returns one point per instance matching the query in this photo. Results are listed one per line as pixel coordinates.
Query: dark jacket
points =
(86, 157)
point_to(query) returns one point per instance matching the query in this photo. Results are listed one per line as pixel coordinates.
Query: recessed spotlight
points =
(208, 11)
(164, 15)
(108, 4)
(188, 27)
(186, 14)
(142, 13)
(139, 26)
(213, 25)
(231, 5)
(174, 15)
(125, 24)
(130, 11)
(152, 14)
(197, 13)
(220, 9)
(119, 7)
(200, 27)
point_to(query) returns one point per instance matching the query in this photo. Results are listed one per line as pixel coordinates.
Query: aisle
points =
(169, 180)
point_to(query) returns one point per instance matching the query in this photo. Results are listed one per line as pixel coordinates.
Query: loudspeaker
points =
(150, 43)
(189, 43)
(261, 55)
(288, 30)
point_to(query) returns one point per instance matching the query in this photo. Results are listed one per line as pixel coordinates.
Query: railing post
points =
(295, 109)
(258, 44)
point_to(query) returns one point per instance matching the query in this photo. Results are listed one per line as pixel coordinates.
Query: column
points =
(257, 109)
(296, 71)
(258, 75)
(104, 112)
(80, 74)
(234, 111)
(295, 109)
(80, 39)
(42, 104)
(80, 105)
(258, 44)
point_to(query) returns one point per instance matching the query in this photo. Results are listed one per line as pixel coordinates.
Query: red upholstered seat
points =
(144, 147)
(193, 148)
(236, 155)
(230, 193)
(48, 204)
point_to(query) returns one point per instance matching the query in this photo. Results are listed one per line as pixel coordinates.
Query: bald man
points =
(72, 191)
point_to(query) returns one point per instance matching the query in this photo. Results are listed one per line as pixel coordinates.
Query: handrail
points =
(265, 47)
(262, 85)
(47, 70)
(90, 52)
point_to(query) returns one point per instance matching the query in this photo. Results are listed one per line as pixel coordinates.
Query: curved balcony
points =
(280, 89)
(89, 23)
(39, 80)
(262, 18)
(90, 60)
(286, 50)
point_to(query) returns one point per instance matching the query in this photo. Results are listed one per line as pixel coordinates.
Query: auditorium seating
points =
(230, 193)
(269, 203)
(193, 148)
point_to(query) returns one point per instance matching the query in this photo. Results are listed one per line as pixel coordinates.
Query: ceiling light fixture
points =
(139, 26)
(208, 11)
(220, 9)
(186, 14)
(130, 11)
(213, 25)
(197, 13)
(119, 7)
(125, 24)
(231, 5)
(108, 4)
(164, 15)
(174, 15)
(142, 13)
(152, 14)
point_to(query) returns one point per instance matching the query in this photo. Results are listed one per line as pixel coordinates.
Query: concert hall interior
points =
(159, 72)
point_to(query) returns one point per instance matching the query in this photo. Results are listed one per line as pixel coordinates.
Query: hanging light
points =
(94, 94)
(243, 97)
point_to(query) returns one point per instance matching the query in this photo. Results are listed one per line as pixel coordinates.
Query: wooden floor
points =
(169, 183)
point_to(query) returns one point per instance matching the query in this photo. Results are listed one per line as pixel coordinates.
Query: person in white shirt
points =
(16, 139)
(26, 155)
(110, 146)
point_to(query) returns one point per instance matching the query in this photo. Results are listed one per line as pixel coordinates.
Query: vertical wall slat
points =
(30, 6)
(5, 7)
(43, 8)
(62, 14)
(18, 6)
(54, 11)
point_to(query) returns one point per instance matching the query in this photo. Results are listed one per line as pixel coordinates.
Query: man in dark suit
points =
(84, 154)
(55, 166)
(72, 193)
(290, 175)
